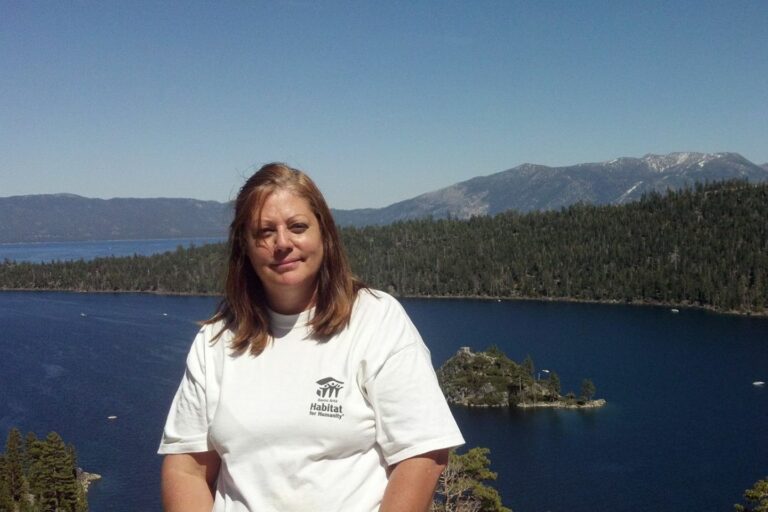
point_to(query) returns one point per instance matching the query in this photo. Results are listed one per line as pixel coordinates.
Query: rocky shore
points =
(86, 478)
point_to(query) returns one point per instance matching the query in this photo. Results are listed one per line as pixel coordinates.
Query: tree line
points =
(703, 246)
(40, 475)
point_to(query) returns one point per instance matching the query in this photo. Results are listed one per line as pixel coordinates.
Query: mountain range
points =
(69, 217)
(527, 187)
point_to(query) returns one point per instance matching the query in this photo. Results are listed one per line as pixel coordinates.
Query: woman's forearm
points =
(188, 481)
(412, 483)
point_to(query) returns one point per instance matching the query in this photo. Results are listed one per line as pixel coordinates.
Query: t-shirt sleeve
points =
(411, 414)
(186, 429)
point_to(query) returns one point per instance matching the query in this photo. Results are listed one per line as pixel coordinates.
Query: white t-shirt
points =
(309, 425)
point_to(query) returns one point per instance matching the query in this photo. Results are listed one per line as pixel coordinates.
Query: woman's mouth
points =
(287, 264)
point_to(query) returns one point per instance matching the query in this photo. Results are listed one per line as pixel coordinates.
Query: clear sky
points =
(377, 101)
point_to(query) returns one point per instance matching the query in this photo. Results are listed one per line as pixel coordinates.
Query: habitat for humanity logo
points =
(329, 387)
(328, 402)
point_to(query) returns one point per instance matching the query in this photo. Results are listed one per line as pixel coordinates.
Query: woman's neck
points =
(291, 301)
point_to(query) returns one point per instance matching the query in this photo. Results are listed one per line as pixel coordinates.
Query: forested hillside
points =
(706, 246)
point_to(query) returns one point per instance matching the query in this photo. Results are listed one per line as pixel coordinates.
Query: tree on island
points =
(587, 389)
(553, 385)
(528, 366)
(461, 487)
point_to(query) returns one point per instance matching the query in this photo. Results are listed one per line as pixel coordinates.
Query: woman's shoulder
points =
(370, 298)
(380, 327)
(212, 327)
(213, 333)
(375, 304)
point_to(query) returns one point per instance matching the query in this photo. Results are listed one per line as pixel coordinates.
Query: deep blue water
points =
(64, 251)
(684, 429)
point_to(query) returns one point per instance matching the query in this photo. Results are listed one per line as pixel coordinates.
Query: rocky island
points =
(491, 379)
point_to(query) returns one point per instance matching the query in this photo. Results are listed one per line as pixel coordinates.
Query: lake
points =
(684, 429)
(88, 250)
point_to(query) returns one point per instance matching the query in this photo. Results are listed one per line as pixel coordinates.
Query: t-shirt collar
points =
(288, 322)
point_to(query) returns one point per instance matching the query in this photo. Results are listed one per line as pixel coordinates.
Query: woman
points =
(305, 391)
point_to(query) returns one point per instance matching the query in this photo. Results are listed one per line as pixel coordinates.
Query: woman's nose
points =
(282, 240)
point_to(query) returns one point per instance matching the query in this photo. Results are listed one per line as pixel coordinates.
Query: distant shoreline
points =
(671, 305)
(119, 292)
(222, 238)
(614, 302)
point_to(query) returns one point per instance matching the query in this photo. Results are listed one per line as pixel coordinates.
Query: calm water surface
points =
(684, 429)
(64, 251)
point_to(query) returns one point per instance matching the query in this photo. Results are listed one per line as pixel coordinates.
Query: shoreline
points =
(117, 292)
(609, 302)
(558, 404)
(563, 404)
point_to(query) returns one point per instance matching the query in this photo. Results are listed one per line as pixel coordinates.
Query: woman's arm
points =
(412, 483)
(189, 481)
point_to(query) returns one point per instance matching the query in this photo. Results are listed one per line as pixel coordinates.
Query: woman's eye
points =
(299, 228)
(263, 233)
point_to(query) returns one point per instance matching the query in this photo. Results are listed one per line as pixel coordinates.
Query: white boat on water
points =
(675, 310)
(758, 383)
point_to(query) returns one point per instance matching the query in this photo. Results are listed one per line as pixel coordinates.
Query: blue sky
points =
(377, 101)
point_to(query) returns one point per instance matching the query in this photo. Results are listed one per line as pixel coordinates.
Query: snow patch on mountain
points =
(662, 163)
(623, 197)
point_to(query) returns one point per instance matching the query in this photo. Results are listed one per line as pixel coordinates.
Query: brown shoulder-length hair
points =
(244, 306)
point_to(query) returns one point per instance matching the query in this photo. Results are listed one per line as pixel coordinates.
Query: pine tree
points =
(553, 385)
(6, 501)
(14, 471)
(528, 365)
(461, 487)
(587, 389)
(55, 476)
(33, 452)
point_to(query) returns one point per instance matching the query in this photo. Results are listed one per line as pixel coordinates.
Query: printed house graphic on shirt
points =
(329, 387)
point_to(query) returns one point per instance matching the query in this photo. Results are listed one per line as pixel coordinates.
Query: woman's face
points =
(285, 248)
